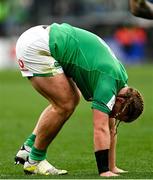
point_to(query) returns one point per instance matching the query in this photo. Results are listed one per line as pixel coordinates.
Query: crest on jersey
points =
(111, 103)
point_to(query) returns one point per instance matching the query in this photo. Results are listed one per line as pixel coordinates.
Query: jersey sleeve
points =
(105, 94)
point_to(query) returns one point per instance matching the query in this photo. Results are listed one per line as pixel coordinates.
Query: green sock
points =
(30, 141)
(37, 155)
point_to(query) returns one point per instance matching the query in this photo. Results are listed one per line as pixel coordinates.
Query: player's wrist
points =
(102, 159)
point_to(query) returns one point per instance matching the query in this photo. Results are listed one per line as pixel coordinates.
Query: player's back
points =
(84, 56)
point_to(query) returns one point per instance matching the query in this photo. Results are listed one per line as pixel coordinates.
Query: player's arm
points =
(102, 142)
(112, 152)
(113, 141)
(141, 8)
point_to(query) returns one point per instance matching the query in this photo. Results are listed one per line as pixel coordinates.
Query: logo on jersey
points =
(56, 64)
(21, 64)
(111, 103)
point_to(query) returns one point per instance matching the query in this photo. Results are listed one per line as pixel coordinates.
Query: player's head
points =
(128, 106)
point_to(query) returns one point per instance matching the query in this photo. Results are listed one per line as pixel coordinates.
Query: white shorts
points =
(33, 54)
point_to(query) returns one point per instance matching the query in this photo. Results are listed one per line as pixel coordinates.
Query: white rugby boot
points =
(42, 167)
(22, 154)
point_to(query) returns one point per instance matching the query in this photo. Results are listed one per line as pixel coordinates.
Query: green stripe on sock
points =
(37, 155)
(30, 141)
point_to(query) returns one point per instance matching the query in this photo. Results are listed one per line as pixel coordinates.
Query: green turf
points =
(20, 106)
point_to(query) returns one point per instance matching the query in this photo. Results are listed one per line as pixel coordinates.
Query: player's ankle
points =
(37, 154)
(30, 140)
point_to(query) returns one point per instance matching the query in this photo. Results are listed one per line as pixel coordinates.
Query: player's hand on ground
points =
(108, 174)
(117, 170)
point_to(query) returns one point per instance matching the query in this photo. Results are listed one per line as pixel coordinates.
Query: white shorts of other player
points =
(33, 54)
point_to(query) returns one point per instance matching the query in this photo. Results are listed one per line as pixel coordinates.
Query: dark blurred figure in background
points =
(142, 8)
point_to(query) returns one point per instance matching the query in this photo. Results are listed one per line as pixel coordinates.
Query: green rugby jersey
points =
(90, 62)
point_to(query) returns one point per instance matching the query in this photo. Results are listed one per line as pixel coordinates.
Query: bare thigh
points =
(59, 90)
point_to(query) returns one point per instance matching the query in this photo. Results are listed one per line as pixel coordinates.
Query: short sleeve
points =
(105, 94)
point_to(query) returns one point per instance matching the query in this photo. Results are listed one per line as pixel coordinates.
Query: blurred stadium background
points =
(131, 39)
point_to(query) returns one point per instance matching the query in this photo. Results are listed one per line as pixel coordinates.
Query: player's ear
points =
(120, 99)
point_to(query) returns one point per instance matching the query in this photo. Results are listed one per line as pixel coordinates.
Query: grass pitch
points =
(20, 106)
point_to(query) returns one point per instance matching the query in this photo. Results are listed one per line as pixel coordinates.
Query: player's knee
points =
(69, 106)
(72, 102)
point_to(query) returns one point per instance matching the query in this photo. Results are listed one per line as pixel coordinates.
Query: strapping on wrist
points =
(102, 160)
